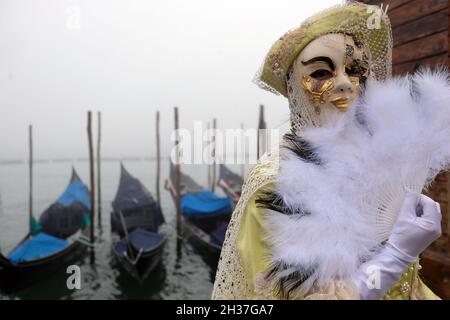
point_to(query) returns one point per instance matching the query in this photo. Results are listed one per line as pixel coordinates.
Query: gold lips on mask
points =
(316, 89)
(340, 102)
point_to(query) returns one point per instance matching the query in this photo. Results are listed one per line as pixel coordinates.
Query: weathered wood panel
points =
(421, 28)
(421, 37)
(438, 189)
(421, 48)
(414, 10)
(436, 273)
(403, 68)
(392, 4)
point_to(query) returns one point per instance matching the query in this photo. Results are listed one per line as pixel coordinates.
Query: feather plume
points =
(395, 137)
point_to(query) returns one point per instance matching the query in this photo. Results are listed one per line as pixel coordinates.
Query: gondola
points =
(230, 182)
(135, 222)
(57, 240)
(205, 215)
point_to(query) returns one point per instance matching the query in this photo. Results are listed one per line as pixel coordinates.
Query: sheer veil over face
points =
(320, 66)
(325, 78)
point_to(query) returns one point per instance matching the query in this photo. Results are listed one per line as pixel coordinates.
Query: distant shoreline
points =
(68, 160)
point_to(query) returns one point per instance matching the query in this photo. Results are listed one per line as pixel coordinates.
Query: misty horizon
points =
(59, 59)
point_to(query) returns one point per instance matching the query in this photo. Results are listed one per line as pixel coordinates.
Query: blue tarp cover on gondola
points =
(140, 239)
(69, 213)
(131, 193)
(75, 191)
(204, 204)
(40, 246)
(136, 204)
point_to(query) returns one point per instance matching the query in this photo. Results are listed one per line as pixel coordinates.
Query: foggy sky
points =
(129, 59)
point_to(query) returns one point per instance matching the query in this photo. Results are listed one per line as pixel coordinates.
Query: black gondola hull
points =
(14, 278)
(198, 230)
(201, 238)
(146, 263)
(134, 208)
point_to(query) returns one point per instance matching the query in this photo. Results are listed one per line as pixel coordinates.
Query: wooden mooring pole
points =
(92, 180)
(261, 148)
(178, 180)
(208, 128)
(243, 157)
(30, 167)
(158, 160)
(99, 189)
(213, 182)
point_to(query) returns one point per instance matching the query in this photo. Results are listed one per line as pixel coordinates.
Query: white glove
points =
(417, 226)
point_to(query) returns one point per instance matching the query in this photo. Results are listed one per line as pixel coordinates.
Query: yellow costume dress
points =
(245, 265)
(244, 259)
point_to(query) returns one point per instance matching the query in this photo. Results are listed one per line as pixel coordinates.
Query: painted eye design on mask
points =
(357, 69)
(353, 72)
(321, 74)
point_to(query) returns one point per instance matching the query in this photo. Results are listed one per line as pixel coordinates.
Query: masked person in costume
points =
(300, 229)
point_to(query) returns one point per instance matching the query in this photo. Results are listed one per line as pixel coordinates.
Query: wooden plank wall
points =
(420, 32)
(421, 36)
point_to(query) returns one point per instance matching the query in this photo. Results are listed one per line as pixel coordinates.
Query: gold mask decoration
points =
(332, 68)
(316, 89)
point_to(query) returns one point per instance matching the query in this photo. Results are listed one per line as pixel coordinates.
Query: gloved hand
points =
(417, 226)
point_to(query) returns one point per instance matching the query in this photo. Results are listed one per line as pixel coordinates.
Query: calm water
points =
(189, 276)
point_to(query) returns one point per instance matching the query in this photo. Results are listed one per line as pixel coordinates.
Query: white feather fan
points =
(396, 137)
(401, 130)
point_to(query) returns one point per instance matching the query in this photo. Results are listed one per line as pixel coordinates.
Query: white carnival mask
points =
(326, 77)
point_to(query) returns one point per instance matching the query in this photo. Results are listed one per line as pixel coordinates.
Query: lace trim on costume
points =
(231, 280)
